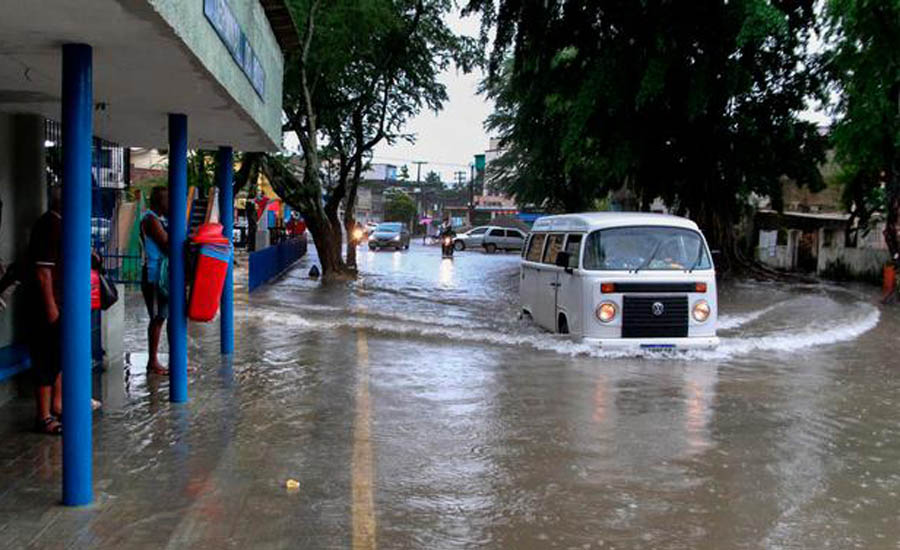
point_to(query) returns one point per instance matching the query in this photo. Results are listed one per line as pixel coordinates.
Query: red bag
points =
(213, 260)
(95, 289)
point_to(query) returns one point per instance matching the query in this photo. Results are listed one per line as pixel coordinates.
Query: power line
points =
(376, 160)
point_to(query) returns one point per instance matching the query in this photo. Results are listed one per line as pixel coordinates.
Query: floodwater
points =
(416, 410)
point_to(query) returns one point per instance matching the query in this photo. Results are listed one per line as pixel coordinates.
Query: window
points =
(389, 227)
(496, 233)
(573, 247)
(512, 233)
(651, 248)
(535, 247)
(477, 231)
(554, 245)
(782, 238)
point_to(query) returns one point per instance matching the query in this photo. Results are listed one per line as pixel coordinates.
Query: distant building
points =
(380, 172)
(815, 234)
(491, 203)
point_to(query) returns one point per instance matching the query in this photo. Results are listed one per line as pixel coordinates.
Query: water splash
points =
(518, 336)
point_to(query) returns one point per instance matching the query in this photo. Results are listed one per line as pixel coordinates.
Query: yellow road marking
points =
(363, 469)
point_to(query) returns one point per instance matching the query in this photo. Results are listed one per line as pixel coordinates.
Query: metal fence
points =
(109, 184)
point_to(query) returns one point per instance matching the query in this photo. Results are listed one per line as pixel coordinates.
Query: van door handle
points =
(555, 284)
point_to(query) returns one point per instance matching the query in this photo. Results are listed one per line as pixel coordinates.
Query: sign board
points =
(223, 21)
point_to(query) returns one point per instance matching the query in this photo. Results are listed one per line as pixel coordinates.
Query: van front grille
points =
(654, 317)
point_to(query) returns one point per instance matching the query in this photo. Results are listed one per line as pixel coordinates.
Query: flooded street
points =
(417, 410)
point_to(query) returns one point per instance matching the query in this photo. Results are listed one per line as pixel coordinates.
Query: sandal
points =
(162, 371)
(48, 426)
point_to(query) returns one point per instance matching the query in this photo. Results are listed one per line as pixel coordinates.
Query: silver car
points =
(389, 235)
(502, 238)
(470, 239)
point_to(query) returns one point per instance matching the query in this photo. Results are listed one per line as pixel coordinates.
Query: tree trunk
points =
(890, 226)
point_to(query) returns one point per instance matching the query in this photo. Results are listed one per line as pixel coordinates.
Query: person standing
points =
(250, 212)
(44, 288)
(155, 241)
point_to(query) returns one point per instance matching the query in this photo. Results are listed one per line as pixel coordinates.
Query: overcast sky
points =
(447, 140)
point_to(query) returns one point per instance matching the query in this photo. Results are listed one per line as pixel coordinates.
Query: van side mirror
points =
(564, 260)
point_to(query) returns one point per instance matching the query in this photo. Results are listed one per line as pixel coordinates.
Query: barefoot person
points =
(155, 240)
(43, 284)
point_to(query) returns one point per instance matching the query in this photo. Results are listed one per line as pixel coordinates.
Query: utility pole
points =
(419, 164)
(460, 180)
(419, 202)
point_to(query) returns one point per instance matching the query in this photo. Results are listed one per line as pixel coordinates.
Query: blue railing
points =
(270, 262)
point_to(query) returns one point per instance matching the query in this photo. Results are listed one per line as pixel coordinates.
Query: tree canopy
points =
(398, 207)
(695, 102)
(864, 61)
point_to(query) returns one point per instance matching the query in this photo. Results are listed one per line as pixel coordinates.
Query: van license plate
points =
(657, 346)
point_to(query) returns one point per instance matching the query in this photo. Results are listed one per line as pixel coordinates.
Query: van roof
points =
(589, 221)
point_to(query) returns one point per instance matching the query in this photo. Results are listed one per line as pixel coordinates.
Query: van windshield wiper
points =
(698, 260)
(652, 256)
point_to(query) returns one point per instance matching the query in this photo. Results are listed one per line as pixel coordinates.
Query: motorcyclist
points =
(447, 235)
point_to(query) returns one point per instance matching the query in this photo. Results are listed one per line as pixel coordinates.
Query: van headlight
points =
(701, 311)
(606, 312)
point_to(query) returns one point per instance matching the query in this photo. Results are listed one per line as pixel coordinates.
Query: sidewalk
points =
(208, 474)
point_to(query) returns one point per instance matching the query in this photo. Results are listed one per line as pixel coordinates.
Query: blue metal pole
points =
(77, 112)
(177, 325)
(224, 177)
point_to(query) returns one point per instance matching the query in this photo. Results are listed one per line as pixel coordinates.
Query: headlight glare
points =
(606, 312)
(701, 311)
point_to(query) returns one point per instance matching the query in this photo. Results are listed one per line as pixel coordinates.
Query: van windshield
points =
(645, 248)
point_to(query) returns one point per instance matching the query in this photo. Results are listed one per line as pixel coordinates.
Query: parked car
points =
(502, 238)
(621, 280)
(389, 235)
(471, 238)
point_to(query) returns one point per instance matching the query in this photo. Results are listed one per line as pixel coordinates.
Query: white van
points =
(621, 280)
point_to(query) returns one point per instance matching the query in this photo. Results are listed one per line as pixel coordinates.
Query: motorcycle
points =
(447, 246)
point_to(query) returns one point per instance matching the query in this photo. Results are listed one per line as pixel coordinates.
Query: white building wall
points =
(23, 192)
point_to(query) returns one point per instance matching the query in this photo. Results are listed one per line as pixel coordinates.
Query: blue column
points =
(177, 325)
(224, 177)
(77, 112)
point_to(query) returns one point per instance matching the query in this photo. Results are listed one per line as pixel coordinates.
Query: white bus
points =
(621, 280)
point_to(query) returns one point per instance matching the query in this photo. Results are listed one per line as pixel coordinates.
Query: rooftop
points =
(587, 221)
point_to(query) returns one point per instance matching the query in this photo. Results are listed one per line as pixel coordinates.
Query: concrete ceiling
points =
(141, 71)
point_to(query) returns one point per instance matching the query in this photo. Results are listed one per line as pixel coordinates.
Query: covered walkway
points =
(168, 74)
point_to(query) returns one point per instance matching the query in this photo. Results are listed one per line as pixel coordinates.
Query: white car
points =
(621, 280)
(470, 239)
(491, 238)
(503, 238)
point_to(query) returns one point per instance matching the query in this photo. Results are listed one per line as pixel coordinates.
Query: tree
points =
(864, 61)
(398, 207)
(693, 102)
(364, 68)
(433, 179)
(404, 173)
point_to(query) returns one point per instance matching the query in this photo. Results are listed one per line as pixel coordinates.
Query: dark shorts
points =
(157, 302)
(45, 354)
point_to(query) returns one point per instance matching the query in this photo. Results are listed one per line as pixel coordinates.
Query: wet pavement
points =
(417, 411)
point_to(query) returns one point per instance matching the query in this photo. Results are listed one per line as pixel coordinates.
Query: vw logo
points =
(658, 308)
